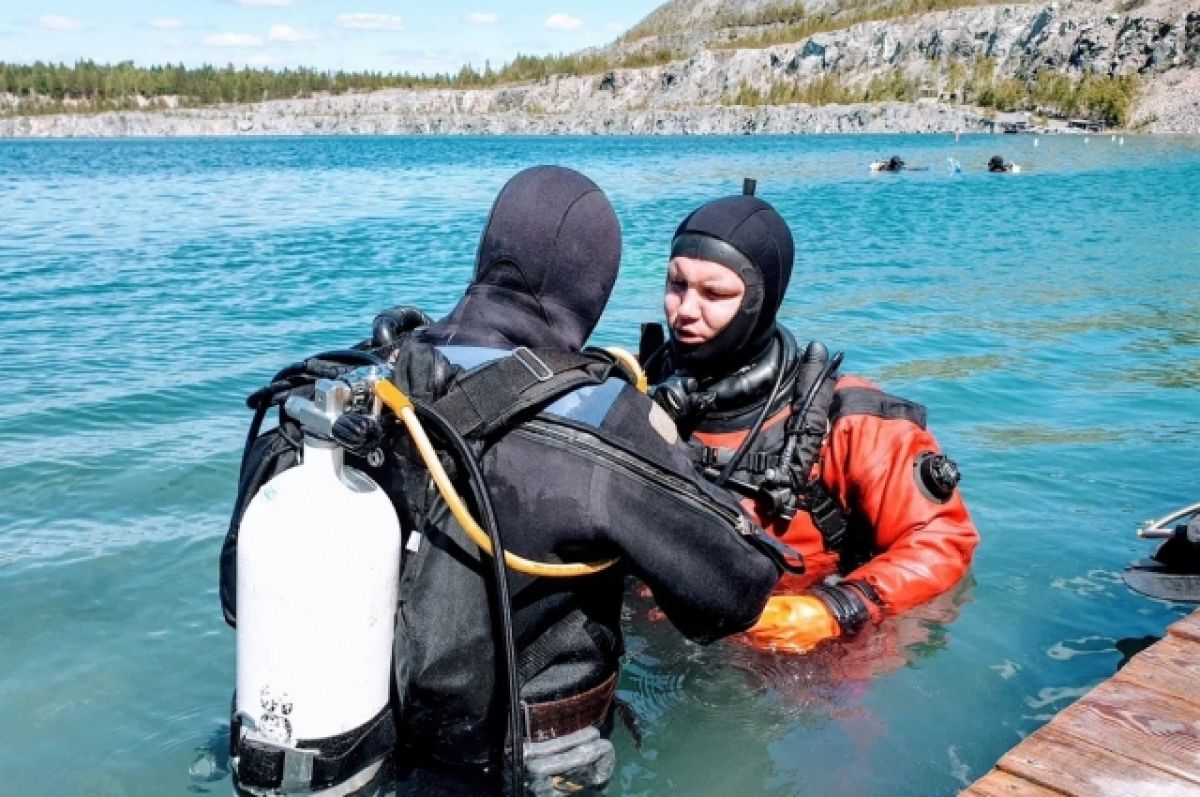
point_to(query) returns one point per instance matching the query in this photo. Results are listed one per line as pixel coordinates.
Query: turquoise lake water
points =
(1049, 320)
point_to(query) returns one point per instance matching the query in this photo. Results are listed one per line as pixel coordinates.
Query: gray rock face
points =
(269, 119)
(1159, 41)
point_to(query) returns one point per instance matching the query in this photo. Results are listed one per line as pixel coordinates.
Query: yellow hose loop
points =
(629, 361)
(400, 404)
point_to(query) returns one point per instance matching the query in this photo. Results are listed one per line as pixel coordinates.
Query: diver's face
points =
(702, 298)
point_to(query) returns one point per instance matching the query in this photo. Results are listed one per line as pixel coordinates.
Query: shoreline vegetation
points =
(89, 88)
(691, 66)
(792, 22)
(1102, 98)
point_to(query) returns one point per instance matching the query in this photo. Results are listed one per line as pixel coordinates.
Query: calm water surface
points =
(1050, 321)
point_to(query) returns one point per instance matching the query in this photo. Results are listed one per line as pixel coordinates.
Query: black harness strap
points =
(486, 399)
(869, 401)
(767, 474)
(756, 462)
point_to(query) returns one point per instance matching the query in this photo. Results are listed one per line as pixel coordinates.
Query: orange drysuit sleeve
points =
(923, 546)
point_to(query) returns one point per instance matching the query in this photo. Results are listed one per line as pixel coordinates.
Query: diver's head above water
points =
(730, 264)
(546, 264)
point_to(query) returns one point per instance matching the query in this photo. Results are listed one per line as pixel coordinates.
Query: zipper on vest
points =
(574, 439)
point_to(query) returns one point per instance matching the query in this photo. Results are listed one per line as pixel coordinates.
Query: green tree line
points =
(87, 86)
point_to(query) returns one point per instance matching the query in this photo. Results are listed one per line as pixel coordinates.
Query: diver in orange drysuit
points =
(843, 473)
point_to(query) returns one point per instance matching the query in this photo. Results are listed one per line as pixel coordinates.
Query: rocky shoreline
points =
(286, 119)
(1157, 41)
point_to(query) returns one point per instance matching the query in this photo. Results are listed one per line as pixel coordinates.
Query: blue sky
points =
(382, 35)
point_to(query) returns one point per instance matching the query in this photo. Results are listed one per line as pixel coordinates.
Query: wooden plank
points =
(1171, 666)
(1187, 628)
(1137, 734)
(1002, 784)
(1139, 724)
(1058, 760)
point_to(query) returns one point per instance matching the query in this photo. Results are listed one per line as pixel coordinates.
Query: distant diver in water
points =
(997, 164)
(895, 164)
(892, 164)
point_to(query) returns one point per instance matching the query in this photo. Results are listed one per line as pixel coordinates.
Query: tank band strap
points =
(312, 764)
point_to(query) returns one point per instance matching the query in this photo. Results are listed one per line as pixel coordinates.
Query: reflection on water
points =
(1050, 321)
(1030, 435)
(944, 368)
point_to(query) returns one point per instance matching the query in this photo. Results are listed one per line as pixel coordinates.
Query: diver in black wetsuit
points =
(598, 473)
(570, 463)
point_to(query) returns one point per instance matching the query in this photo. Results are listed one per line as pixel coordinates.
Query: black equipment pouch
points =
(270, 454)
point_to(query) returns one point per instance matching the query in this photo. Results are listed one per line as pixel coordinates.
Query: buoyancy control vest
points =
(447, 682)
(479, 403)
(773, 461)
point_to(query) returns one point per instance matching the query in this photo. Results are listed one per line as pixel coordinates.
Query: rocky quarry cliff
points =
(721, 74)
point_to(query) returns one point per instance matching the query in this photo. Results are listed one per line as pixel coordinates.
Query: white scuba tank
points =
(318, 575)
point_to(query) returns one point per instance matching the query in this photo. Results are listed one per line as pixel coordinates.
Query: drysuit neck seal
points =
(749, 386)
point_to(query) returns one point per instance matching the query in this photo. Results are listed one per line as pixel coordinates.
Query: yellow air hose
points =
(629, 361)
(400, 404)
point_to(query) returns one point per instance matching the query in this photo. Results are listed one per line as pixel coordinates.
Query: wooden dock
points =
(1135, 735)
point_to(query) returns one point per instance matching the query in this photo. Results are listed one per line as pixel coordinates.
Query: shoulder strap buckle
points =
(534, 364)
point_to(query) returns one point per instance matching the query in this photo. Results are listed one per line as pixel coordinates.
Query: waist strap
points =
(554, 718)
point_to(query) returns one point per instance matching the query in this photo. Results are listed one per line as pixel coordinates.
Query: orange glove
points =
(793, 623)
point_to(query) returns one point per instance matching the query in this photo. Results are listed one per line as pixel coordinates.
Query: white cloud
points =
(234, 40)
(57, 22)
(370, 22)
(275, 3)
(482, 18)
(563, 22)
(166, 24)
(289, 35)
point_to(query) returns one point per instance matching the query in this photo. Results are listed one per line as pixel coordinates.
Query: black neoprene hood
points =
(546, 264)
(748, 236)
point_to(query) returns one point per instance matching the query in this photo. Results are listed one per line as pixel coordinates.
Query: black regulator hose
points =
(752, 435)
(487, 518)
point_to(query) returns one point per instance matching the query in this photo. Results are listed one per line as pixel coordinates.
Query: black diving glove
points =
(391, 325)
(684, 401)
(422, 372)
